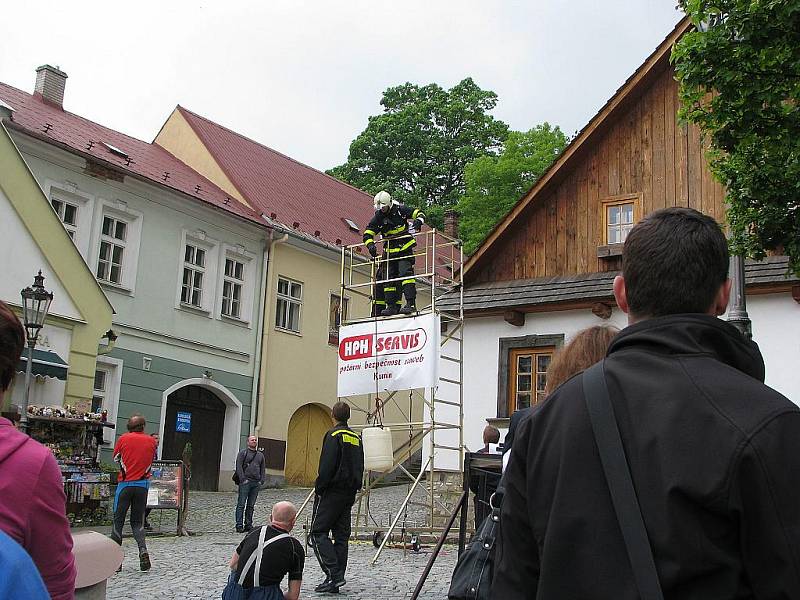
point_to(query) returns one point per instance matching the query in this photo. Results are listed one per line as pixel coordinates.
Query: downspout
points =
(259, 334)
(268, 296)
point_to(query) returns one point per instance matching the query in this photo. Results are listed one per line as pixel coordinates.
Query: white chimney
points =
(50, 83)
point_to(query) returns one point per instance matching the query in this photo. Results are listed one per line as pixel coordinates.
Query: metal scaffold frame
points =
(438, 271)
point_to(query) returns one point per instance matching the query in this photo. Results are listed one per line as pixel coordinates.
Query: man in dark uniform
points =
(391, 222)
(341, 468)
(378, 294)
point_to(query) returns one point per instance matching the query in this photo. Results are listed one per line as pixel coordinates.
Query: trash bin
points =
(97, 558)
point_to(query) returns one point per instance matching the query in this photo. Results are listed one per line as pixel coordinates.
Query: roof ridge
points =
(279, 153)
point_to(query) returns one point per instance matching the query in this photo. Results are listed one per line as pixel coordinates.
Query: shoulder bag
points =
(233, 589)
(618, 477)
(472, 576)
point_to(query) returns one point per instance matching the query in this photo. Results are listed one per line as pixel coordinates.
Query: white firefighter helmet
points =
(382, 199)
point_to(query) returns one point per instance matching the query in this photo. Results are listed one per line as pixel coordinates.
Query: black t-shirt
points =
(279, 558)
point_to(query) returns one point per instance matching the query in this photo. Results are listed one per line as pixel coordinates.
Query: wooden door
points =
(203, 414)
(307, 429)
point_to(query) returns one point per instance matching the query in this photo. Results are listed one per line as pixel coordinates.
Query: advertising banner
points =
(388, 355)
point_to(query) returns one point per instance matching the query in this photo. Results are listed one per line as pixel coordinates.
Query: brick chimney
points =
(50, 84)
(451, 224)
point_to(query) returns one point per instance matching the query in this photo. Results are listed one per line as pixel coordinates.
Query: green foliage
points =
(740, 83)
(418, 147)
(495, 183)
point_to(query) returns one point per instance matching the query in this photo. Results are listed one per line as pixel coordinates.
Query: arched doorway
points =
(307, 428)
(195, 414)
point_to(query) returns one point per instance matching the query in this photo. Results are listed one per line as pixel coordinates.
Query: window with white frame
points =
(232, 288)
(105, 395)
(194, 269)
(75, 210)
(68, 213)
(100, 389)
(113, 240)
(290, 301)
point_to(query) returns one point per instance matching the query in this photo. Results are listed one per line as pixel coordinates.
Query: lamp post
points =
(737, 314)
(35, 304)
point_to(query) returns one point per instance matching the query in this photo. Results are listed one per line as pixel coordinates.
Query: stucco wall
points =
(776, 328)
(147, 319)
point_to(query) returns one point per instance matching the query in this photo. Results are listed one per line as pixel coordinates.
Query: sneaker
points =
(408, 309)
(147, 526)
(322, 587)
(339, 582)
(329, 588)
(239, 529)
(144, 561)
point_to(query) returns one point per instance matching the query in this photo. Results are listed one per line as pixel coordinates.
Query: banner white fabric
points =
(389, 355)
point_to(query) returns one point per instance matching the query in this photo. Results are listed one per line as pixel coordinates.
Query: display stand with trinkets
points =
(75, 439)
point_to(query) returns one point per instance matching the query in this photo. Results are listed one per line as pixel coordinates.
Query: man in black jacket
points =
(714, 453)
(341, 469)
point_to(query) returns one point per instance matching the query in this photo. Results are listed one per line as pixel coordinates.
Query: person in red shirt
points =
(134, 453)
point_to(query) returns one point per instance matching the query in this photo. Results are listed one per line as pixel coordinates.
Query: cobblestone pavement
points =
(196, 567)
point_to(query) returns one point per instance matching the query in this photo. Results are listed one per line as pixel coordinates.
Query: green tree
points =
(739, 74)
(418, 147)
(495, 183)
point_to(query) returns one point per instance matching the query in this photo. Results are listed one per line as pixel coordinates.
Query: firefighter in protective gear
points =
(378, 295)
(391, 222)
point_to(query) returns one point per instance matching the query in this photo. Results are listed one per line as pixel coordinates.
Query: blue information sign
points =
(183, 422)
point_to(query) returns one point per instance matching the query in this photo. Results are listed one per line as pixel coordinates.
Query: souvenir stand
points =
(75, 441)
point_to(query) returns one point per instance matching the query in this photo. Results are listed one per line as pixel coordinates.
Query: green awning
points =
(45, 363)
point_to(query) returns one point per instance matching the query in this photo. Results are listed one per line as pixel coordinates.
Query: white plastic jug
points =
(378, 448)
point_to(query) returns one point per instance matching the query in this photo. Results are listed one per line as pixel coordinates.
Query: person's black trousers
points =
(332, 515)
(135, 499)
(401, 265)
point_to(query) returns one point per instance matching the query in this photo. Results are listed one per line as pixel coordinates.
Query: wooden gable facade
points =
(634, 150)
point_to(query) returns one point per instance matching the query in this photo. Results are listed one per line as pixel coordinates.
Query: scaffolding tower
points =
(438, 272)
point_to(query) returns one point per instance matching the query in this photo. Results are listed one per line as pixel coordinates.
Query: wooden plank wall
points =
(645, 150)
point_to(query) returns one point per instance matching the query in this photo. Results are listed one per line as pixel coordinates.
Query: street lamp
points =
(737, 313)
(35, 304)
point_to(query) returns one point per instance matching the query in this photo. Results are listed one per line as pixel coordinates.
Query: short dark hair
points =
(341, 411)
(12, 342)
(674, 261)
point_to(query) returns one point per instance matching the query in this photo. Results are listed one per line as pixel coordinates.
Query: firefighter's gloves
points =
(417, 224)
(373, 251)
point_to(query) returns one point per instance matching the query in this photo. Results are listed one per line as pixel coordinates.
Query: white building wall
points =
(776, 328)
(481, 361)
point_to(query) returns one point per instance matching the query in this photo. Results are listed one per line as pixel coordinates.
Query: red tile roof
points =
(274, 183)
(52, 124)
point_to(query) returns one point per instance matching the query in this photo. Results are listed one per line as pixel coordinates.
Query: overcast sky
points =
(303, 76)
